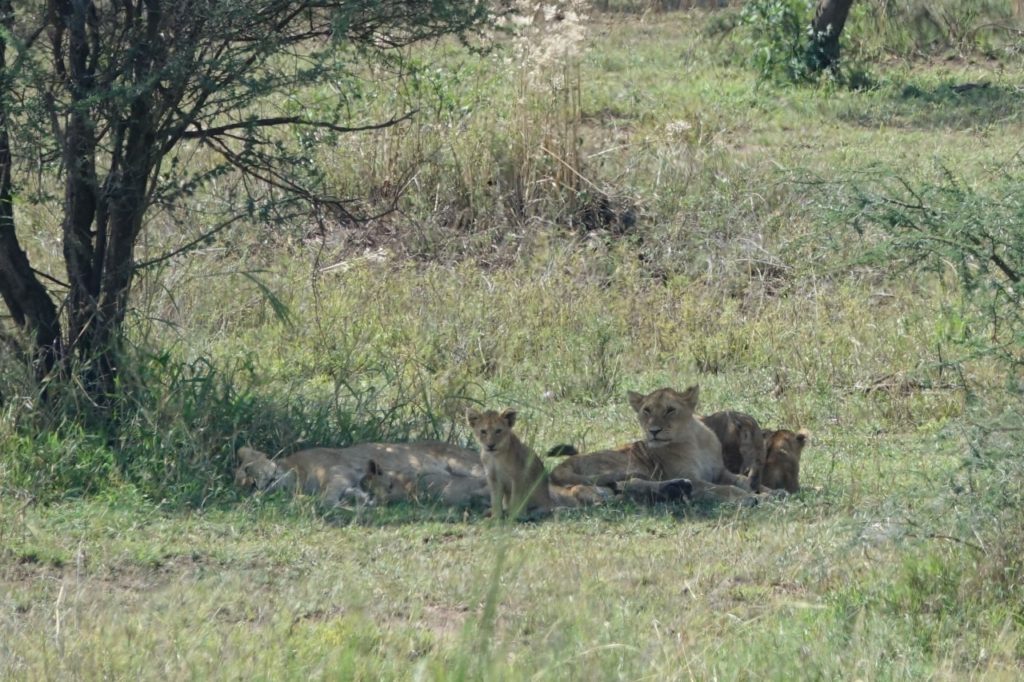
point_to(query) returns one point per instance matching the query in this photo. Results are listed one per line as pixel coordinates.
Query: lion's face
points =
(255, 470)
(492, 429)
(665, 415)
(782, 462)
(386, 487)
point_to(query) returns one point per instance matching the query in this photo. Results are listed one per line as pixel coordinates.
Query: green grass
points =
(862, 578)
(129, 556)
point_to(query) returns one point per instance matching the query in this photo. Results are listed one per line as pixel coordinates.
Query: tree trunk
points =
(24, 295)
(828, 23)
(102, 221)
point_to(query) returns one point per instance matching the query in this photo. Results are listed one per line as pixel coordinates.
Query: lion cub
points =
(782, 462)
(743, 443)
(516, 477)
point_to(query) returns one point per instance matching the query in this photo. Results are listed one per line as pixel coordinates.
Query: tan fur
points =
(460, 486)
(315, 471)
(782, 461)
(579, 495)
(516, 477)
(448, 488)
(743, 449)
(676, 446)
(336, 473)
(463, 491)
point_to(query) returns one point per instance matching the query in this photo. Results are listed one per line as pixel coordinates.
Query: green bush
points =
(169, 431)
(970, 230)
(57, 464)
(777, 35)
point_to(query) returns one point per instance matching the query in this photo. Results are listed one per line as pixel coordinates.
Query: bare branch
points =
(188, 246)
(202, 133)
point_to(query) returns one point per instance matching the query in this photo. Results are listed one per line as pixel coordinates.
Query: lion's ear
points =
(373, 469)
(636, 400)
(472, 416)
(802, 436)
(689, 396)
(509, 415)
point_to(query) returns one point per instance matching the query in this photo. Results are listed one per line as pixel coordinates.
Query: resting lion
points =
(743, 448)
(782, 460)
(450, 489)
(315, 471)
(386, 487)
(523, 474)
(676, 446)
(339, 473)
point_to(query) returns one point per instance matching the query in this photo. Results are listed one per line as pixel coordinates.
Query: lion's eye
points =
(497, 432)
(647, 410)
(670, 410)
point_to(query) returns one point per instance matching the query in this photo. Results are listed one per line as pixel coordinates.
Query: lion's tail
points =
(563, 450)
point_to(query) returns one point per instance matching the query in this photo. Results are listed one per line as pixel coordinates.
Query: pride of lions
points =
(721, 457)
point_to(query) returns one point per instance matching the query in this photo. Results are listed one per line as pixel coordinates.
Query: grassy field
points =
(637, 211)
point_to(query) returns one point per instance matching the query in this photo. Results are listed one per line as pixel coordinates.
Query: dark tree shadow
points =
(953, 105)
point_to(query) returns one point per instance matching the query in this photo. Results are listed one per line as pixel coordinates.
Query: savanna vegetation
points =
(587, 199)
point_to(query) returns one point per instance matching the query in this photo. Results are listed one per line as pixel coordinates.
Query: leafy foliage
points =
(777, 34)
(973, 230)
(120, 97)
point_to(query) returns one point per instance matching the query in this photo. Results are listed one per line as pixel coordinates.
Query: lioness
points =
(464, 491)
(516, 477)
(782, 462)
(318, 470)
(336, 473)
(743, 449)
(676, 446)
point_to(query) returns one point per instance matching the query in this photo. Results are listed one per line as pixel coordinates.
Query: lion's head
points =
(385, 487)
(782, 462)
(665, 415)
(255, 470)
(492, 429)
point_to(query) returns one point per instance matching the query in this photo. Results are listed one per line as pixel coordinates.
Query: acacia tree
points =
(100, 97)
